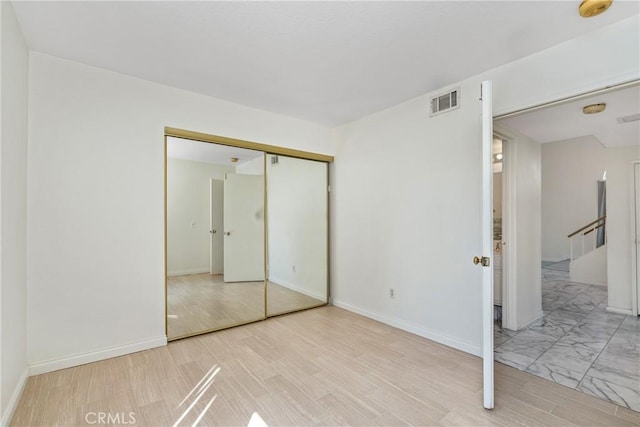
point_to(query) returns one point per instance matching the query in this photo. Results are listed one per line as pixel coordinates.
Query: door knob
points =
(212, 231)
(484, 261)
(227, 233)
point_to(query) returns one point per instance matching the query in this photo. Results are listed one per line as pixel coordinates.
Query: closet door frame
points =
(266, 149)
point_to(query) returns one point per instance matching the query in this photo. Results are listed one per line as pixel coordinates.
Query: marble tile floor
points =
(577, 343)
(561, 266)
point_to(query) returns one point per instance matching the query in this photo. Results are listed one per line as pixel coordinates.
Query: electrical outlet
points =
(392, 293)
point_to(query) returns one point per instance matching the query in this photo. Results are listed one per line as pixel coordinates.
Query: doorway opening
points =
(576, 323)
(498, 242)
(636, 234)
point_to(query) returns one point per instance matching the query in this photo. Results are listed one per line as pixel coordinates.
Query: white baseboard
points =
(536, 316)
(94, 356)
(187, 271)
(554, 259)
(15, 398)
(414, 329)
(616, 310)
(320, 296)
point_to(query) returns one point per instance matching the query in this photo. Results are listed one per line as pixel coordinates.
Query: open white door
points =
(215, 226)
(636, 238)
(243, 228)
(487, 244)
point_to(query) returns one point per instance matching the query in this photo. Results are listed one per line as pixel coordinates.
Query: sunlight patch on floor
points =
(203, 385)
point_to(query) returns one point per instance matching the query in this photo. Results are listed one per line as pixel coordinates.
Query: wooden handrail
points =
(593, 229)
(602, 218)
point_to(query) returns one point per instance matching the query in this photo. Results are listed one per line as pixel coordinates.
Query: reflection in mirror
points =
(297, 234)
(215, 237)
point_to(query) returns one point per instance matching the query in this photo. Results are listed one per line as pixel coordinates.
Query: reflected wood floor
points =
(324, 366)
(201, 302)
(281, 299)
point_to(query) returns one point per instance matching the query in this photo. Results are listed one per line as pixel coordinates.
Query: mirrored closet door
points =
(215, 237)
(297, 234)
(246, 232)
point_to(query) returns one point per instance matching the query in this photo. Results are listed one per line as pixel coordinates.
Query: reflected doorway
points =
(246, 232)
(215, 237)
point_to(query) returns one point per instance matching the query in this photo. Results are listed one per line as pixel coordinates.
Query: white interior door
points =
(216, 242)
(487, 244)
(636, 174)
(243, 228)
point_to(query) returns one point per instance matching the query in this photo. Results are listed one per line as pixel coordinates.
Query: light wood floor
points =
(201, 302)
(324, 366)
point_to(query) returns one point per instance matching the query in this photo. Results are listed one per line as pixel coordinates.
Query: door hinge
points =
(328, 189)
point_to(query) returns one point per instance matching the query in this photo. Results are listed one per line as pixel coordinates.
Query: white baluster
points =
(571, 249)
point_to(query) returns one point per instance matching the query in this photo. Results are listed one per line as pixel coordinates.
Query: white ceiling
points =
(185, 149)
(567, 121)
(325, 62)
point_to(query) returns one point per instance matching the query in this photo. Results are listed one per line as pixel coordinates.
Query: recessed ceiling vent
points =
(445, 102)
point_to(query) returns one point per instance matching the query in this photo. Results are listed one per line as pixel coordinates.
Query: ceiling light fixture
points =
(499, 156)
(594, 108)
(591, 8)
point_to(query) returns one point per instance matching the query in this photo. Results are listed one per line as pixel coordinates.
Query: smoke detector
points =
(590, 8)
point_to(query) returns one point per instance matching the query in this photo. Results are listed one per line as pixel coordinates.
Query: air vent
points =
(445, 102)
(628, 119)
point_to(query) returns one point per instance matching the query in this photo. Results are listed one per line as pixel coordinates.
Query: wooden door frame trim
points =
(223, 140)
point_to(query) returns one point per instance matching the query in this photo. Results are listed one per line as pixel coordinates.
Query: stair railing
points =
(585, 231)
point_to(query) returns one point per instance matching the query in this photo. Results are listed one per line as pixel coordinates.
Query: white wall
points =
(521, 226)
(188, 199)
(297, 217)
(620, 239)
(252, 167)
(570, 173)
(406, 189)
(407, 217)
(13, 212)
(571, 170)
(497, 195)
(577, 66)
(590, 268)
(95, 200)
(95, 240)
(527, 217)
